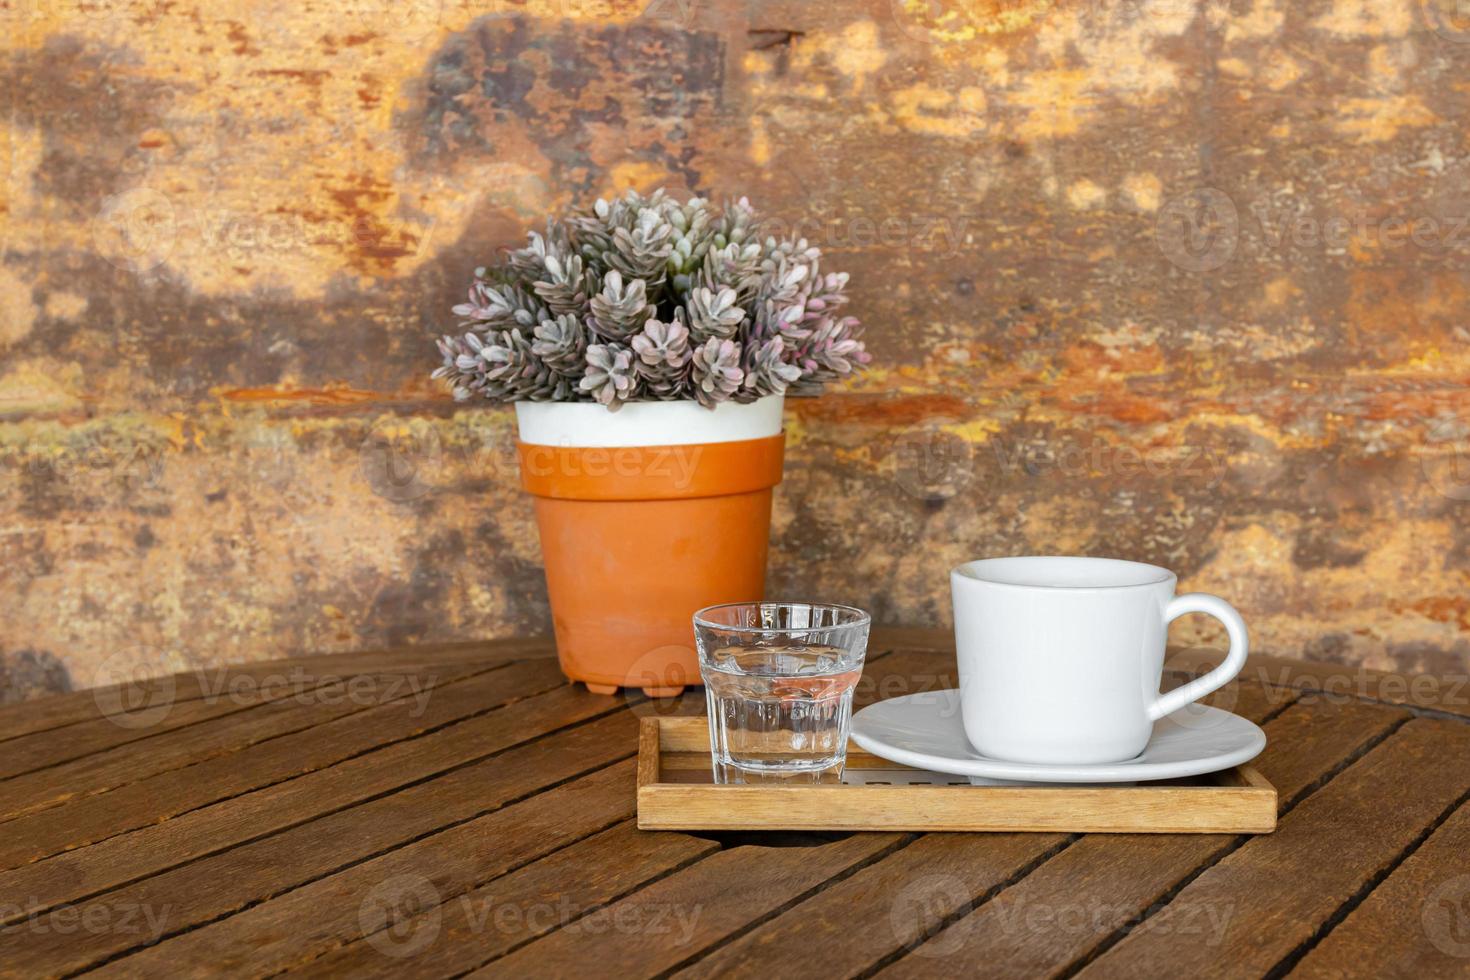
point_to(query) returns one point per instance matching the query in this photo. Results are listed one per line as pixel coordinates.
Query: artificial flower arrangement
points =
(646, 299)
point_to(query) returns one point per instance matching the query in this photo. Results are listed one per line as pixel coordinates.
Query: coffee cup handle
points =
(1200, 602)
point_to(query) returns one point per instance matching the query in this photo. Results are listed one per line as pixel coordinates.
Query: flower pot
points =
(646, 515)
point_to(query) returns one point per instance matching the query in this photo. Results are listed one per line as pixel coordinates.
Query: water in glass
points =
(780, 709)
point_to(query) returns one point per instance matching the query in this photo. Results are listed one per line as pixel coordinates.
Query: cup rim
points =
(967, 572)
(860, 617)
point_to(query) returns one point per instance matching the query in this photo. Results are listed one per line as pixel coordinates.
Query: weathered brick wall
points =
(1180, 281)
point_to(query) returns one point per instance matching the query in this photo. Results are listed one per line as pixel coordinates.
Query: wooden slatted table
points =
(443, 812)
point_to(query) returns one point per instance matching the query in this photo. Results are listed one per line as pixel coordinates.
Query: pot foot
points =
(664, 692)
(602, 688)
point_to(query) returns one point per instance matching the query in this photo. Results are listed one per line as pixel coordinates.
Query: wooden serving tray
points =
(676, 792)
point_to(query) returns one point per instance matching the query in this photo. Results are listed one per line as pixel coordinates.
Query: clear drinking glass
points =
(778, 680)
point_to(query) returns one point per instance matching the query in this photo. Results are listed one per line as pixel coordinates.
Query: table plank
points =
(210, 830)
(1415, 924)
(461, 934)
(901, 899)
(222, 695)
(1068, 908)
(906, 666)
(1277, 890)
(129, 808)
(912, 893)
(215, 888)
(920, 670)
(59, 710)
(911, 638)
(1449, 694)
(557, 951)
(322, 914)
(512, 796)
(149, 801)
(227, 733)
(717, 896)
(903, 671)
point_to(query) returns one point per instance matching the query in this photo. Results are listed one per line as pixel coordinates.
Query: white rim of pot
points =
(681, 423)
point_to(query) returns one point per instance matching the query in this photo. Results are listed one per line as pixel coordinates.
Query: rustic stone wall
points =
(1179, 280)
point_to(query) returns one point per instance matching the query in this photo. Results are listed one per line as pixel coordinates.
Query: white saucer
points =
(924, 730)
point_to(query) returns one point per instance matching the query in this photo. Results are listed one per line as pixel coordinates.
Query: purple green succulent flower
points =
(646, 298)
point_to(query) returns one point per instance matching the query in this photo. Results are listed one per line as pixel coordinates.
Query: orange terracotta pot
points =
(637, 538)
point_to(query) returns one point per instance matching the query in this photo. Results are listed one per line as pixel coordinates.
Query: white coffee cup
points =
(1060, 659)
